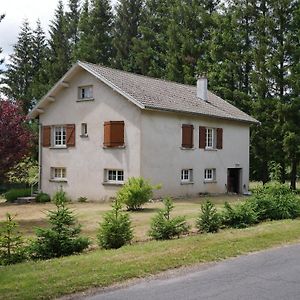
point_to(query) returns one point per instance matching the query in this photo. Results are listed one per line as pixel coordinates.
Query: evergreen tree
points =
(127, 20)
(1, 59)
(19, 73)
(59, 55)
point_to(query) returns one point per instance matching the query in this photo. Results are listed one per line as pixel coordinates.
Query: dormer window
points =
(85, 92)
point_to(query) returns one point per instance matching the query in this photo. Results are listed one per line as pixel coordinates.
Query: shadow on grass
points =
(145, 210)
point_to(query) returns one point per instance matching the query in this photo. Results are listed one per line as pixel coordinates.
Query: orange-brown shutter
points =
(70, 138)
(114, 133)
(187, 136)
(219, 138)
(202, 137)
(46, 136)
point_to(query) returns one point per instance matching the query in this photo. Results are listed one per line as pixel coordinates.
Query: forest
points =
(248, 49)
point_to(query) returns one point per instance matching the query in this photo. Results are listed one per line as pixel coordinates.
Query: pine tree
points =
(59, 59)
(1, 59)
(127, 20)
(72, 18)
(19, 74)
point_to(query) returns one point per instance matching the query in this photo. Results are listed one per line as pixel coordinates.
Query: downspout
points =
(40, 156)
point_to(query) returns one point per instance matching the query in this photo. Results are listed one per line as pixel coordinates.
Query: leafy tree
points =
(12, 248)
(62, 238)
(19, 73)
(15, 137)
(127, 21)
(116, 229)
(163, 227)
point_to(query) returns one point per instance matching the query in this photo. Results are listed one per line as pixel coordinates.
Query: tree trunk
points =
(294, 174)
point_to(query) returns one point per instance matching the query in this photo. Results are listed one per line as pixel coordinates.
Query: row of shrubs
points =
(62, 238)
(13, 194)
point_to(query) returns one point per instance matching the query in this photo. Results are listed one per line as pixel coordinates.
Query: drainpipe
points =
(40, 156)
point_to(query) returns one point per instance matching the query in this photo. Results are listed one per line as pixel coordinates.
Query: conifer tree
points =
(19, 74)
(1, 59)
(127, 21)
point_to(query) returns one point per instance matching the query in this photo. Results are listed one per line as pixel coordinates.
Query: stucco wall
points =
(163, 159)
(85, 163)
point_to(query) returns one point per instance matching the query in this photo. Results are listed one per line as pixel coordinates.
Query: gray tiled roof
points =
(160, 94)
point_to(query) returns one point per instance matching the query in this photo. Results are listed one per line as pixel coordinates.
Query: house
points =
(99, 126)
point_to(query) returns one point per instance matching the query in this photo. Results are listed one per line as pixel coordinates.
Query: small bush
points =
(240, 216)
(135, 193)
(209, 219)
(275, 201)
(163, 227)
(13, 194)
(82, 199)
(12, 249)
(116, 230)
(42, 198)
(62, 238)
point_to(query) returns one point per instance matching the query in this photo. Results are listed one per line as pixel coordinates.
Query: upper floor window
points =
(59, 136)
(85, 92)
(210, 138)
(84, 130)
(187, 136)
(113, 134)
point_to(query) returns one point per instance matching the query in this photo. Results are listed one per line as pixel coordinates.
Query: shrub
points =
(275, 201)
(116, 230)
(240, 216)
(62, 238)
(82, 199)
(163, 227)
(135, 192)
(42, 198)
(12, 249)
(209, 219)
(13, 194)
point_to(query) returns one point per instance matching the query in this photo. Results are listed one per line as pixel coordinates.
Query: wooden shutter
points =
(46, 136)
(187, 136)
(114, 133)
(70, 135)
(202, 137)
(219, 138)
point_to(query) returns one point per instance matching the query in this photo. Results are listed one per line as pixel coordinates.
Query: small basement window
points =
(209, 175)
(58, 174)
(187, 175)
(114, 176)
(85, 92)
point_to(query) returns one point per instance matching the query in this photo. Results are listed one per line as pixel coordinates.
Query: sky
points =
(16, 11)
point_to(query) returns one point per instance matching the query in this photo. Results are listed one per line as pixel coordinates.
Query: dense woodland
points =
(249, 50)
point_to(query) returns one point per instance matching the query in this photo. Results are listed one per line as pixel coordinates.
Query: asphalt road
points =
(272, 274)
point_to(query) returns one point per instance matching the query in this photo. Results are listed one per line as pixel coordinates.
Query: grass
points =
(89, 214)
(53, 278)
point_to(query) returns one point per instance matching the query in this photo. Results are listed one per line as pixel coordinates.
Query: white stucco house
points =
(99, 126)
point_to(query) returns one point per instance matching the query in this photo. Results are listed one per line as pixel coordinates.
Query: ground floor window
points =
(209, 175)
(58, 173)
(114, 176)
(186, 175)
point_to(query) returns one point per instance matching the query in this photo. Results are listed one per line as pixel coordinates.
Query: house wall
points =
(163, 158)
(85, 163)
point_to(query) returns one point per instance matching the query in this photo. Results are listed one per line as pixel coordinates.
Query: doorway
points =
(233, 180)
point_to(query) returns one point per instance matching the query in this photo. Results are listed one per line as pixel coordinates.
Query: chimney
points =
(202, 87)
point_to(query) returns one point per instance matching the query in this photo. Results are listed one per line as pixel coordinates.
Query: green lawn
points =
(53, 278)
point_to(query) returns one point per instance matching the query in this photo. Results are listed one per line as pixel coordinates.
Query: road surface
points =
(272, 274)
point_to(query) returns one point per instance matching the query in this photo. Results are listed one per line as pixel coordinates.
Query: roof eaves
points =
(110, 84)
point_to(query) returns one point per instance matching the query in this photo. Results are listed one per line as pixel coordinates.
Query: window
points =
(113, 134)
(210, 138)
(58, 173)
(85, 92)
(59, 136)
(187, 136)
(114, 176)
(186, 175)
(84, 131)
(210, 174)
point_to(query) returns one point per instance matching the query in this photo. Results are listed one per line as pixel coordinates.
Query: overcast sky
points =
(16, 11)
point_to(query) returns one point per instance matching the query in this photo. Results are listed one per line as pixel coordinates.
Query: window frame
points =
(210, 138)
(58, 174)
(84, 130)
(211, 177)
(117, 173)
(85, 92)
(186, 176)
(63, 136)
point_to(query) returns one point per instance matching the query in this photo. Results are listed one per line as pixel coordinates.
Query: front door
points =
(233, 180)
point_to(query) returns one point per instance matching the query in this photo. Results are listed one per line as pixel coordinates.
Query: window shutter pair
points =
(113, 133)
(202, 137)
(70, 135)
(187, 136)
